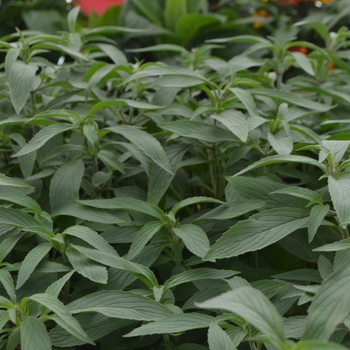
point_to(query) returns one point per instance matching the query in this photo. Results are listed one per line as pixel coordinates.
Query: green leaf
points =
(146, 143)
(292, 99)
(143, 237)
(7, 282)
(138, 270)
(324, 266)
(91, 237)
(300, 192)
(232, 210)
(56, 287)
(174, 10)
(194, 200)
(281, 142)
(34, 335)
(72, 18)
(31, 261)
(317, 214)
(339, 189)
(43, 136)
(300, 275)
(7, 245)
(343, 244)
(173, 324)
(23, 201)
(86, 213)
(317, 345)
(119, 304)
(218, 339)
(330, 305)
(203, 273)
(130, 103)
(259, 231)
(247, 99)
(16, 218)
(13, 339)
(254, 307)
(90, 269)
(303, 62)
(194, 238)
(234, 121)
(159, 179)
(131, 204)
(65, 184)
(198, 130)
(21, 80)
(282, 159)
(111, 160)
(7, 181)
(189, 26)
(64, 317)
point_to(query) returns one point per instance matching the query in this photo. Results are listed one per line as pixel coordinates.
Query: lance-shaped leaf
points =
(173, 324)
(56, 287)
(7, 181)
(203, 273)
(7, 281)
(344, 244)
(303, 62)
(146, 143)
(91, 237)
(339, 189)
(130, 103)
(232, 210)
(86, 213)
(65, 184)
(31, 261)
(120, 304)
(254, 307)
(34, 335)
(142, 272)
(247, 99)
(317, 345)
(194, 238)
(21, 79)
(21, 200)
(235, 121)
(16, 218)
(43, 136)
(198, 130)
(330, 306)
(62, 315)
(122, 203)
(219, 339)
(259, 231)
(281, 142)
(86, 267)
(282, 159)
(193, 200)
(143, 237)
(291, 98)
(317, 214)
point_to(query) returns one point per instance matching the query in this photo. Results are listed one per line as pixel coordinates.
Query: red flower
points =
(300, 49)
(99, 6)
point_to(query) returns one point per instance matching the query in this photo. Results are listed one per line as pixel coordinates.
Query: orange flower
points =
(300, 49)
(331, 66)
(260, 13)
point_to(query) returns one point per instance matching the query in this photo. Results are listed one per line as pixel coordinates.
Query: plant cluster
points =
(182, 202)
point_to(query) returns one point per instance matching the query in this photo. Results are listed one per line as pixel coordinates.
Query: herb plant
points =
(192, 203)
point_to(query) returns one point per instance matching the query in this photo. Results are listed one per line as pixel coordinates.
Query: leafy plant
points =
(190, 203)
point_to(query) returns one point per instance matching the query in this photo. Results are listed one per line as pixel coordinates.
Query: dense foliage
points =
(172, 197)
